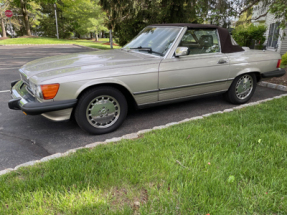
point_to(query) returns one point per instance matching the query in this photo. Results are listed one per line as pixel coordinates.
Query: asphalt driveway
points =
(25, 138)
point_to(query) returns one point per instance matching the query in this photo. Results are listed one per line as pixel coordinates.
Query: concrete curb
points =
(135, 135)
(273, 86)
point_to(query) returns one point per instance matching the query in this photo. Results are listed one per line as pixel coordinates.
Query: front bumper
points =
(276, 73)
(23, 100)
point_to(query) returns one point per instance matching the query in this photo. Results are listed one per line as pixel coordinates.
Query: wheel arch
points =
(124, 90)
(254, 71)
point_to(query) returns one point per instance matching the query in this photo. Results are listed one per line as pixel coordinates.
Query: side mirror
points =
(181, 51)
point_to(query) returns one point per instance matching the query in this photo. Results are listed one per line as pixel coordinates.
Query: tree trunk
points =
(25, 17)
(3, 28)
(91, 35)
(97, 37)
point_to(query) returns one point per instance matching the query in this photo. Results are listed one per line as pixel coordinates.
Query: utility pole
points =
(11, 27)
(111, 39)
(55, 6)
(111, 35)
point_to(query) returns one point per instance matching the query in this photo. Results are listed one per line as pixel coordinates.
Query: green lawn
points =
(43, 40)
(231, 163)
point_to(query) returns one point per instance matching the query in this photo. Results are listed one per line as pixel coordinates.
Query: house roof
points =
(225, 38)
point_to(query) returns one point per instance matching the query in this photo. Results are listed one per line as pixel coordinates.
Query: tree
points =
(245, 18)
(87, 15)
(47, 25)
(127, 17)
(24, 6)
(277, 7)
(4, 4)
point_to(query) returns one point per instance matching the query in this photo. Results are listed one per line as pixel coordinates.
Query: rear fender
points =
(248, 70)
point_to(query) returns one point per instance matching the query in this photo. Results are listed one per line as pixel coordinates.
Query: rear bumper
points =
(275, 73)
(22, 100)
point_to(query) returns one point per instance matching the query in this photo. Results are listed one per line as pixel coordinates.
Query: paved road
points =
(25, 138)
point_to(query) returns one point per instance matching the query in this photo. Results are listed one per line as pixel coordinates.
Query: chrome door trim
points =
(148, 91)
(184, 86)
(179, 99)
(194, 85)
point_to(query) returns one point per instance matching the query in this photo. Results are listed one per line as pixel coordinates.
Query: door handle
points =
(222, 61)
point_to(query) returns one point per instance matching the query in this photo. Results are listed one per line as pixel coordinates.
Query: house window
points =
(273, 35)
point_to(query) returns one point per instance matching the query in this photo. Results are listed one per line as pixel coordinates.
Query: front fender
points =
(106, 81)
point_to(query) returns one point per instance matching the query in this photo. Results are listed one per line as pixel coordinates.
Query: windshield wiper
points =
(147, 49)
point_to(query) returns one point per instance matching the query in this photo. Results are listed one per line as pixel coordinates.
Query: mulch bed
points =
(281, 80)
(4, 38)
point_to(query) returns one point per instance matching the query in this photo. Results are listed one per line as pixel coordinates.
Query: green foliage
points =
(86, 15)
(284, 60)
(279, 9)
(243, 35)
(245, 18)
(47, 26)
(127, 30)
(128, 17)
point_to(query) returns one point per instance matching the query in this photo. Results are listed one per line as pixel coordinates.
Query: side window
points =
(200, 41)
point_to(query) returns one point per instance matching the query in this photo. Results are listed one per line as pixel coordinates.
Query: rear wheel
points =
(241, 89)
(101, 110)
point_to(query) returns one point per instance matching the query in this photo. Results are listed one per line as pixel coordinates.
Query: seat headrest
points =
(206, 40)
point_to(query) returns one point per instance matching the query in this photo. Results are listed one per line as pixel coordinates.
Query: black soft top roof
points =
(225, 39)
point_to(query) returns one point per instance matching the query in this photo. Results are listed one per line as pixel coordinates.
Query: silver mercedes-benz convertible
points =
(162, 64)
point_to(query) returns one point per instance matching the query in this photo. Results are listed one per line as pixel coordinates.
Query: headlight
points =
(36, 90)
(39, 93)
(32, 87)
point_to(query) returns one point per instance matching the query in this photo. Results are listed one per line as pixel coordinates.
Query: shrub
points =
(244, 35)
(284, 60)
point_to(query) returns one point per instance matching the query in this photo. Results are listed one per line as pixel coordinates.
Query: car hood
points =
(51, 67)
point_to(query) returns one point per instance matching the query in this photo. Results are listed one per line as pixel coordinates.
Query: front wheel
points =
(101, 110)
(241, 89)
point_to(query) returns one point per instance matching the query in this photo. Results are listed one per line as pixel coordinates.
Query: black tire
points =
(233, 96)
(113, 98)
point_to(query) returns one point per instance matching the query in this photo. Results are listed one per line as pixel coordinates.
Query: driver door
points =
(204, 70)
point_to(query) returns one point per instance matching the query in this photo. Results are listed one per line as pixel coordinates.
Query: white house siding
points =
(283, 48)
(269, 19)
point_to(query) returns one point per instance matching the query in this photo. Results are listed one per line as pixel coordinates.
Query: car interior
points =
(200, 41)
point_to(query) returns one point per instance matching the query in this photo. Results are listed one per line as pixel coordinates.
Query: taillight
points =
(279, 63)
(49, 91)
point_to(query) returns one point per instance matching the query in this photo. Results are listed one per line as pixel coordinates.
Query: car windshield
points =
(154, 40)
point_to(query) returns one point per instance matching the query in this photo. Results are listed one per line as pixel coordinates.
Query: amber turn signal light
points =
(49, 91)
(279, 63)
